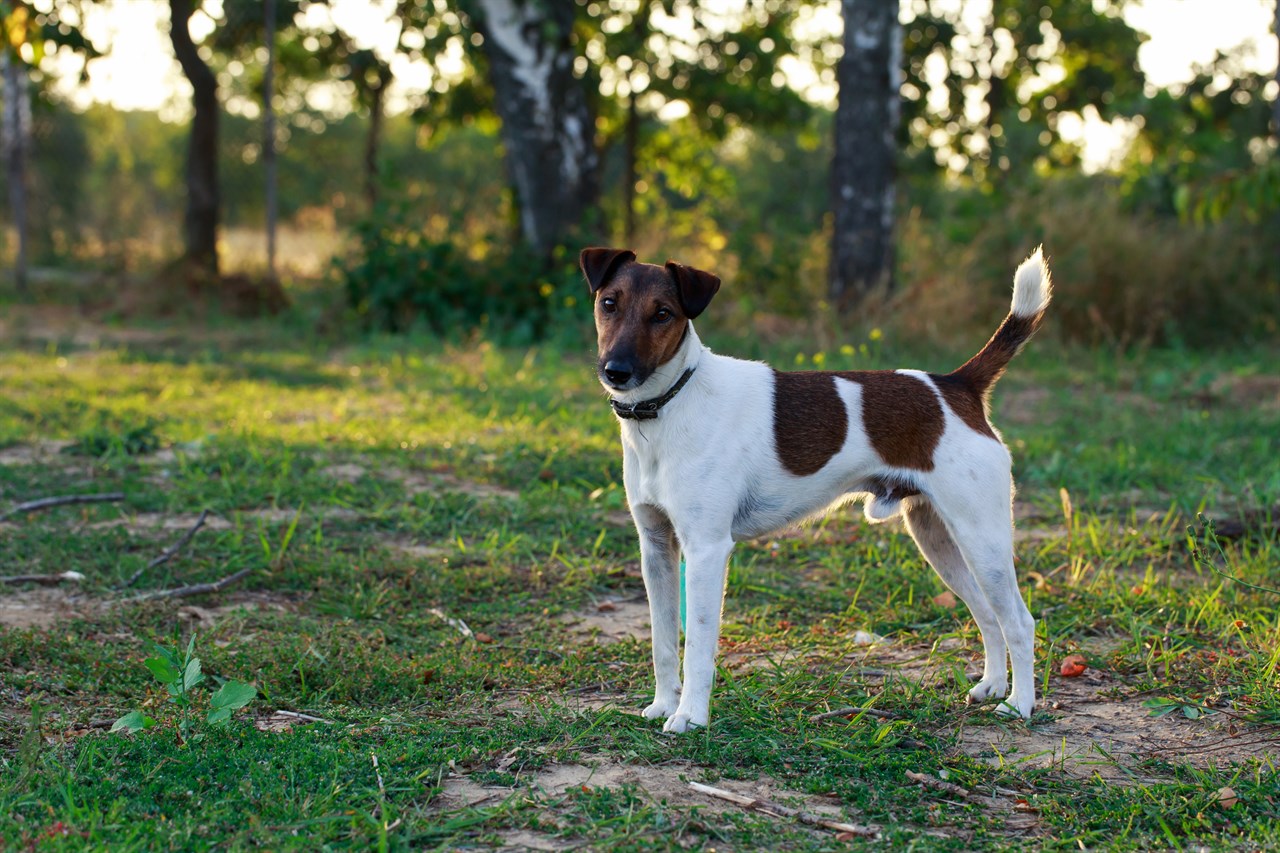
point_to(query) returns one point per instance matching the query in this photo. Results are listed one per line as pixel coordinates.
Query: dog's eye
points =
(663, 315)
(608, 305)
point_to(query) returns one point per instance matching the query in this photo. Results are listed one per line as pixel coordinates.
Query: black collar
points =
(647, 410)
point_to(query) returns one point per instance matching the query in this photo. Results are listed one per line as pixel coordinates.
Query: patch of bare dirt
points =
(667, 783)
(1255, 392)
(1094, 733)
(611, 621)
(418, 482)
(40, 453)
(41, 608)
(345, 472)
(46, 607)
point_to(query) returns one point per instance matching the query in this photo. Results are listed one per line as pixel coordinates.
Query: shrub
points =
(1123, 278)
(397, 278)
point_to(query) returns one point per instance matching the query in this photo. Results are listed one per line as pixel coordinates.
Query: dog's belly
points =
(761, 513)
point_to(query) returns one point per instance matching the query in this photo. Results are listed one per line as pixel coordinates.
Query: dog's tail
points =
(1032, 290)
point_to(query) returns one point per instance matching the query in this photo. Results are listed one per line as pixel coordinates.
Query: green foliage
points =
(108, 439)
(397, 278)
(180, 673)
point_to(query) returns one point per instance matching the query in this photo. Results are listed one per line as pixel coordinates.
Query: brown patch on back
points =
(809, 420)
(902, 417)
(900, 414)
(639, 290)
(965, 402)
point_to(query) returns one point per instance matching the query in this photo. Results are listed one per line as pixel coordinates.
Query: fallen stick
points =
(194, 589)
(45, 580)
(306, 718)
(848, 712)
(779, 810)
(949, 787)
(61, 500)
(462, 627)
(169, 553)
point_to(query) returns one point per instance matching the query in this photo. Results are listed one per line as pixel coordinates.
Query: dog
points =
(717, 450)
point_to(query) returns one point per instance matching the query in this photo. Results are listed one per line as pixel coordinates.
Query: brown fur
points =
(965, 402)
(900, 414)
(639, 291)
(981, 372)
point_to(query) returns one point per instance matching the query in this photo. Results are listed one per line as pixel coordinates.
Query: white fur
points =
(1032, 286)
(705, 474)
(688, 471)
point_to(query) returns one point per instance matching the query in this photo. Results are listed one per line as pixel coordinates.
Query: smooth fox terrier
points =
(717, 450)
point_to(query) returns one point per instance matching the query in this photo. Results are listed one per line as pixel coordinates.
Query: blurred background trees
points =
(441, 161)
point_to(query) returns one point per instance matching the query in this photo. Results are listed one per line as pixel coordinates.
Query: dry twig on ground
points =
(194, 589)
(60, 500)
(169, 553)
(779, 810)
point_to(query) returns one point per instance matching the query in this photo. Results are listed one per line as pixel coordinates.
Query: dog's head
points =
(642, 312)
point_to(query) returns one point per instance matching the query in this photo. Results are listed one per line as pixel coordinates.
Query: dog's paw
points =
(1015, 707)
(984, 690)
(659, 709)
(680, 722)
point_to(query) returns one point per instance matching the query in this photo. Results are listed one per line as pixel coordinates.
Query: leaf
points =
(219, 716)
(1073, 666)
(232, 696)
(164, 671)
(192, 676)
(134, 721)
(1226, 797)
(1161, 706)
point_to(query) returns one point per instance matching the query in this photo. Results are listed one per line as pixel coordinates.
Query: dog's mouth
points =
(619, 375)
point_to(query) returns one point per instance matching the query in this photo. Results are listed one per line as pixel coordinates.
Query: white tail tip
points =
(1032, 286)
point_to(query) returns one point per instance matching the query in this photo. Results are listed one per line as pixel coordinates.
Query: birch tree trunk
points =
(200, 223)
(1275, 105)
(16, 132)
(862, 171)
(547, 128)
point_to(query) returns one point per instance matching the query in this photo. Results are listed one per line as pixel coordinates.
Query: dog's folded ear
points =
(598, 263)
(695, 287)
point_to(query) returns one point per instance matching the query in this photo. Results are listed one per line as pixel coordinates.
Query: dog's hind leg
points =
(704, 595)
(980, 521)
(660, 566)
(935, 542)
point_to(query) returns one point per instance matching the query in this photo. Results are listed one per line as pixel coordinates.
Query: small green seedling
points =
(1162, 705)
(181, 676)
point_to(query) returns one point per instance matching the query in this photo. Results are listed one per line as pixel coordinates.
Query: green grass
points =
(367, 485)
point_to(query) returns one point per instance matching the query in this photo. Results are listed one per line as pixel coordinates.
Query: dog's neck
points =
(667, 374)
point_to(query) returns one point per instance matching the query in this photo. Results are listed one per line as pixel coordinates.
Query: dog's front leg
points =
(660, 566)
(704, 598)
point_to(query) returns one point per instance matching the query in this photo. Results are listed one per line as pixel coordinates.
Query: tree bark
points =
(269, 134)
(16, 133)
(862, 171)
(1275, 105)
(547, 128)
(373, 142)
(629, 176)
(200, 223)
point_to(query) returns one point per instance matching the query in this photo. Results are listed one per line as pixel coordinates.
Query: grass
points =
(367, 485)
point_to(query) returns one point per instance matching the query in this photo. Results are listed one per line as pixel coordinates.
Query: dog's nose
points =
(617, 372)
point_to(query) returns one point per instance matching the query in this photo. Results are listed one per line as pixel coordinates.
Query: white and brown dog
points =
(717, 450)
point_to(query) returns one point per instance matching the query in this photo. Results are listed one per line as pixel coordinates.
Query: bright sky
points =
(139, 71)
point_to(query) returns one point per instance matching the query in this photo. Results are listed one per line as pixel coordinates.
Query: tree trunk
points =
(16, 131)
(1275, 105)
(629, 177)
(200, 223)
(862, 171)
(372, 142)
(269, 134)
(547, 128)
